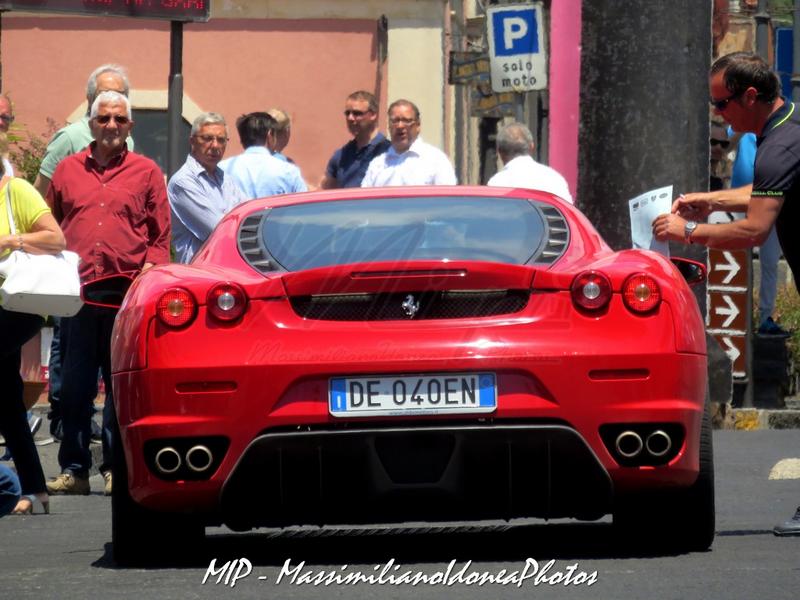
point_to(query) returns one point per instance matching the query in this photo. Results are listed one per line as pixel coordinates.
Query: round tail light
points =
(176, 308)
(641, 293)
(591, 290)
(226, 302)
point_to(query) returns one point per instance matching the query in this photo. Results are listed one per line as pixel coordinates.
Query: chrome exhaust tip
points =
(629, 444)
(199, 458)
(168, 460)
(658, 443)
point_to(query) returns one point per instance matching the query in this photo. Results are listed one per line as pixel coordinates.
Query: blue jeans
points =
(15, 330)
(769, 255)
(85, 347)
(9, 490)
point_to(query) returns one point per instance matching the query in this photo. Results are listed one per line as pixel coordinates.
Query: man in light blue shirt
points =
(200, 193)
(256, 171)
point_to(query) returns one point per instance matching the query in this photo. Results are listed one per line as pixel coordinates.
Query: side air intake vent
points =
(556, 236)
(250, 245)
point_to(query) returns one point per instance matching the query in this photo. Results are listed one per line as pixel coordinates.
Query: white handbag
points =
(39, 284)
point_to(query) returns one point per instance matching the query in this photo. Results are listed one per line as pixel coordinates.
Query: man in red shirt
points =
(112, 206)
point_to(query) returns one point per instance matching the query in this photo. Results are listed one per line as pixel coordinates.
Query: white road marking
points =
(788, 468)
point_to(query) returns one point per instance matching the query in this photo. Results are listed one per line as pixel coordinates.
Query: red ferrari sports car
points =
(405, 355)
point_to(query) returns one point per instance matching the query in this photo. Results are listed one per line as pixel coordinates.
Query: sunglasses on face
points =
(7, 118)
(721, 143)
(118, 119)
(721, 105)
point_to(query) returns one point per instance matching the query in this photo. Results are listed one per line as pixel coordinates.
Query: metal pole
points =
(519, 107)
(762, 30)
(175, 101)
(796, 52)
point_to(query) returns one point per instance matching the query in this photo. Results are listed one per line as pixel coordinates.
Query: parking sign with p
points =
(516, 47)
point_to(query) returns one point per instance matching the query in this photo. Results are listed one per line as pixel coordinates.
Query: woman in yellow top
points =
(37, 233)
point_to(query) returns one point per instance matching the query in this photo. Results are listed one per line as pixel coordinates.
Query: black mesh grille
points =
(429, 305)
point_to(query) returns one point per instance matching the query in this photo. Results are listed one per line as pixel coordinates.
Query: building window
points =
(150, 135)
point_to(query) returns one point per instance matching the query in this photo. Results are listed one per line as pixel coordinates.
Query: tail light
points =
(591, 290)
(641, 293)
(226, 302)
(176, 308)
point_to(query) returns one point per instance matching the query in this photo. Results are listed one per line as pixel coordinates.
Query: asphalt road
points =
(67, 554)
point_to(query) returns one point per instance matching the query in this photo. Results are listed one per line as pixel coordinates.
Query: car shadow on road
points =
(338, 546)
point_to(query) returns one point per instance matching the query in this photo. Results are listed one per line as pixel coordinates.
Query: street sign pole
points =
(175, 99)
(747, 400)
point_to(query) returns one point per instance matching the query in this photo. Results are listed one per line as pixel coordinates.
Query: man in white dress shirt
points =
(515, 147)
(409, 161)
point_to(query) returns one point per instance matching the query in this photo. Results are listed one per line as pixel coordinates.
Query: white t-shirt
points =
(8, 169)
(421, 164)
(524, 172)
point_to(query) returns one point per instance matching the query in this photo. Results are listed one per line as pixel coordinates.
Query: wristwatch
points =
(688, 230)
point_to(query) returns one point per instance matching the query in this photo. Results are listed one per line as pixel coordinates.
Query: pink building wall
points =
(231, 66)
(565, 75)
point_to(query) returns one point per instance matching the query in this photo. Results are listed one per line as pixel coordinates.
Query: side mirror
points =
(693, 272)
(107, 292)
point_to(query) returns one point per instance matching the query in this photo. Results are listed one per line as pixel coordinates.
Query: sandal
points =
(26, 504)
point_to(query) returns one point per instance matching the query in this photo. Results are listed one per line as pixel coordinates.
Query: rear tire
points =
(141, 536)
(681, 520)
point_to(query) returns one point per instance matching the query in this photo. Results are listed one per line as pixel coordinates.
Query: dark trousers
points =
(85, 348)
(54, 380)
(15, 330)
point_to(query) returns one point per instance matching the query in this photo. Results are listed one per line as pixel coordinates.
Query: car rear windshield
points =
(318, 234)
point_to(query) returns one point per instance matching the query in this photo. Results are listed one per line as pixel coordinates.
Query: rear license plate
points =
(445, 393)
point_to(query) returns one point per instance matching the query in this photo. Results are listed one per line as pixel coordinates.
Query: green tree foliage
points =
(27, 149)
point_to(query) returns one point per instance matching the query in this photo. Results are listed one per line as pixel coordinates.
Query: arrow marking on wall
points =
(732, 266)
(732, 351)
(732, 311)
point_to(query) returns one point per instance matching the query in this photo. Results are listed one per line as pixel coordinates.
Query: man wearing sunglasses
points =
(112, 206)
(69, 140)
(347, 166)
(746, 93)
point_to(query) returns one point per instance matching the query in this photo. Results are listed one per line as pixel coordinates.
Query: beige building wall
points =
(415, 55)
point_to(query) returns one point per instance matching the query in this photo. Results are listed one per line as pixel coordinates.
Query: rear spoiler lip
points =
(366, 278)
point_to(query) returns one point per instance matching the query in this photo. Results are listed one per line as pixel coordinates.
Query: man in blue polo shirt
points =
(349, 163)
(746, 93)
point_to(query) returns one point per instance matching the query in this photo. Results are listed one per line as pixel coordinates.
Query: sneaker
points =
(34, 423)
(107, 477)
(790, 527)
(770, 327)
(69, 484)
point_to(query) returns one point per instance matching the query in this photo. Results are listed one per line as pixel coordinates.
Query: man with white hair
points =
(69, 140)
(200, 192)
(112, 207)
(516, 147)
(76, 136)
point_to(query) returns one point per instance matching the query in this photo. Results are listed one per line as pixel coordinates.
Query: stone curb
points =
(724, 416)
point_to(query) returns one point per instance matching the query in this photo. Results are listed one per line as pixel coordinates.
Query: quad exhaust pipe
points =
(629, 444)
(658, 443)
(168, 460)
(198, 459)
